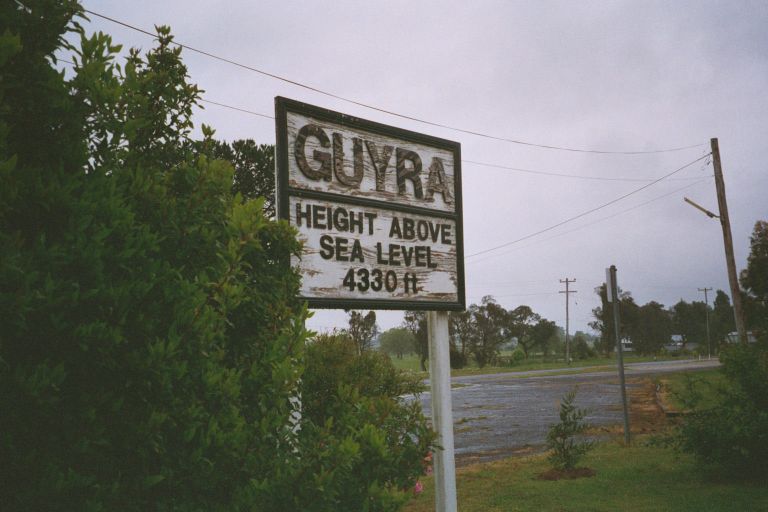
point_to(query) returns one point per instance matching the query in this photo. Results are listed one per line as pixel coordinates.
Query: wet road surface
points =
(506, 413)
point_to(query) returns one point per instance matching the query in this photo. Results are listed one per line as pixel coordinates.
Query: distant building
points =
(675, 344)
(733, 337)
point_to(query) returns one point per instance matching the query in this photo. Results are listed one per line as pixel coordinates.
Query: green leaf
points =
(152, 480)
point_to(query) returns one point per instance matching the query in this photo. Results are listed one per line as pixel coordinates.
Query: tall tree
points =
(461, 330)
(544, 335)
(416, 322)
(721, 320)
(397, 341)
(362, 329)
(653, 328)
(254, 166)
(520, 322)
(604, 323)
(630, 317)
(754, 279)
(491, 330)
(689, 321)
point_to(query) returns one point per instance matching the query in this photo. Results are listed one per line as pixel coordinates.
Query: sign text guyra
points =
(408, 164)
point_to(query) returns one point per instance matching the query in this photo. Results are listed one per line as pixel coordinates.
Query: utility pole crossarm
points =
(707, 212)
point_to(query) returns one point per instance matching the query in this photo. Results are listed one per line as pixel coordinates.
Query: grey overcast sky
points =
(607, 75)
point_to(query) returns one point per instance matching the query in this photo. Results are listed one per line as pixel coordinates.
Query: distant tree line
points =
(480, 334)
(650, 327)
(483, 330)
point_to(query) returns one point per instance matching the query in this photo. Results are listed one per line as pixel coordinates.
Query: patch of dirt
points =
(566, 474)
(462, 430)
(645, 414)
(465, 460)
(489, 407)
(468, 419)
(663, 397)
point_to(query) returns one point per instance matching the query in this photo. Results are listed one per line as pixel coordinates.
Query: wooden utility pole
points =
(567, 293)
(706, 309)
(730, 260)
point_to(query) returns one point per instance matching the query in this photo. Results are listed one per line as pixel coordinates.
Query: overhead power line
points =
(483, 164)
(237, 108)
(564, 175)
(514, 295)
(652, 181)
(571, 219)
(603, 219)
(386, 111)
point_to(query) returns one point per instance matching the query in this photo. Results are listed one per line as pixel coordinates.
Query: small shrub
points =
(581, 349)
(513, 359)
(566, 451)
(363, 444)
(517, 356)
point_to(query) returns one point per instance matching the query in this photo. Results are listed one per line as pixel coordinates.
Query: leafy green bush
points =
(151, 342)
(373, 440)
(732, 434)
(513, 359)
(581, 349)
(152, 346)
(517, 355)
(566, 450)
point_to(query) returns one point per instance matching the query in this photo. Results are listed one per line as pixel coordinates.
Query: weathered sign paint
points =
(377, 208)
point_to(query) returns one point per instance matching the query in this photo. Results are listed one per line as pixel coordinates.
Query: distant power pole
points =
(730, 260)
(567, 293)
(706, 309)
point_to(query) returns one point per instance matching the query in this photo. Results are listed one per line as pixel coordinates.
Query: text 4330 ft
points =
(362, 279)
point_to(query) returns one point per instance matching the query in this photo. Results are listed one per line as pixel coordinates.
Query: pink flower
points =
(418, 488)
(428, 471)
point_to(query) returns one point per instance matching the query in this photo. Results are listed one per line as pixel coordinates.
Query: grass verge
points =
(411, 363)
(677, 388)
(638, 478)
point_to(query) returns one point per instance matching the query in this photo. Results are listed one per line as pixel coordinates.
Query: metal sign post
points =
(378, 212)
(611, 290)
(442, 411)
